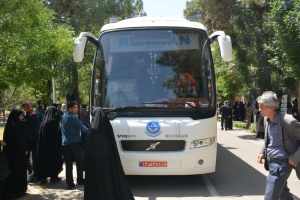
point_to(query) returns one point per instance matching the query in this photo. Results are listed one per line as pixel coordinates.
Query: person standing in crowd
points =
(84, 117)
(295, 110)
(248, 115)
(281, 150)
(3, 181)
(260, 126)
(225, 112)
(64, 108)
(105, 178)
(31, 124)
(71, 143)
(15, 151)
(60, 113)
(229, 117)
(236, 112)
(40, 108)
(49, 158)
(241, 110)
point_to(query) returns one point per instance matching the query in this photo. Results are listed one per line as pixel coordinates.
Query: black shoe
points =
(56, 179)
(80, 182)
(70, 186)
(222, 128)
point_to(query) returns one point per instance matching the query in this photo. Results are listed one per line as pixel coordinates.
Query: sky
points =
(168, 8)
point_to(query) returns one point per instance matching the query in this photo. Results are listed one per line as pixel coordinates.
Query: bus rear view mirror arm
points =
(224, 44)
(78, 52)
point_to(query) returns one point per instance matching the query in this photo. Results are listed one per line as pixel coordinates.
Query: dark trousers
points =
(276, 185)
(226, 119)
(32, 144)
(71, 152)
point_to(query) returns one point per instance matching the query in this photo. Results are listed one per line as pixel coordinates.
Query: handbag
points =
(4, 167)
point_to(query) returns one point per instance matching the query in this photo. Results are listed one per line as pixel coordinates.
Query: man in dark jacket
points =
(31, 123)
(282, 147)
(225, 111)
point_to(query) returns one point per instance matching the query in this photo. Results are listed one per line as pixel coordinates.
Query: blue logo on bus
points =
(153, 129)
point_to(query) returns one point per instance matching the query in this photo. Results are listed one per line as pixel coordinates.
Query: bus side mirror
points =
(224, 44)
(78, 52)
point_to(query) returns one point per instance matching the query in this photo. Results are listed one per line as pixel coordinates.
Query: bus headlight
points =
(202, 142)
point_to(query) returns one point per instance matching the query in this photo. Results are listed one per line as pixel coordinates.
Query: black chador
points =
(104, 175)
(15, 151)
(49, 157)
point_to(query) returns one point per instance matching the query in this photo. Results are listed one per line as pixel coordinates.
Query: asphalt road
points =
(237, 176)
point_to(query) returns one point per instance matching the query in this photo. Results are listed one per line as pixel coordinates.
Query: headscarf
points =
(50, 114)
(13, 124)
(13, 118)
(13, 136)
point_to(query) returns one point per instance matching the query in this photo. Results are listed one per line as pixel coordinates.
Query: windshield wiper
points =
(171, 102)
(126, 107)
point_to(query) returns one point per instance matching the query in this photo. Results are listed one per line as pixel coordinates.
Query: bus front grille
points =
(153, 145)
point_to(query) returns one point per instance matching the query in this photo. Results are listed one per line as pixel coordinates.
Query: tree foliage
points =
(265, 37)
(87, 16)
(284, 19)
(30, 44)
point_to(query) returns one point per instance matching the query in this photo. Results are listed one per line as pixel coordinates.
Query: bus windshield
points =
(154, 68)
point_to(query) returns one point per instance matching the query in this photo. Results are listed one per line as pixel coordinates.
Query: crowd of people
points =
(245, 112)
(36, 143)
(62, 133)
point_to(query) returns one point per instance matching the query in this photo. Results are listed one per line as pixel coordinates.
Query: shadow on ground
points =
(233, 177)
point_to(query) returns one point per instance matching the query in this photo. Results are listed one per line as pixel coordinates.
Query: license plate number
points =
(153, 164)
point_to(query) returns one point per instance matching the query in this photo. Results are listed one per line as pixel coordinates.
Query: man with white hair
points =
(282, 147)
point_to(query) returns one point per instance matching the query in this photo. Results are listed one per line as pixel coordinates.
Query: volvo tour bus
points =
(154, 77)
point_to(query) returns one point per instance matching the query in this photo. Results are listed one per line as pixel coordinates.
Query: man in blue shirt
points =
(71, 143)
(281, 150)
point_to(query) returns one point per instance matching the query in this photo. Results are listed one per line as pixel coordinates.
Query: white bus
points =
(154, 77)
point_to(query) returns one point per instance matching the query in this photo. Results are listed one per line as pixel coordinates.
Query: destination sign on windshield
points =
(141, 41)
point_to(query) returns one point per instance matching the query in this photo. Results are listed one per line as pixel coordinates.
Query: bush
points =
(252, 128)
(239, 125)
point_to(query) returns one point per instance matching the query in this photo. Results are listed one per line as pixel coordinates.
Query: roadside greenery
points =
(266, 45)
(241, 125)
(252, 128)
(30, 44)
(36, 35)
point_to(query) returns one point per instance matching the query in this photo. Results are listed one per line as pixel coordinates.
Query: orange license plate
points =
(153, 164)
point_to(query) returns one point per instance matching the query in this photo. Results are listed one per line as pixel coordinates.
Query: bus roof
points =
(143, 22)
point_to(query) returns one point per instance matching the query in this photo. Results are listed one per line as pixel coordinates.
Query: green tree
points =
(214, 14)
(30, 44)
(88, 16)
(284, 18)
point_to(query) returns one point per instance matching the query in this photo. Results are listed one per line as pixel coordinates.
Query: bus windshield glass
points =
(154, 68)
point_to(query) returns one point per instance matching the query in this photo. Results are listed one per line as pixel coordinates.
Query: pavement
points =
(59, 190)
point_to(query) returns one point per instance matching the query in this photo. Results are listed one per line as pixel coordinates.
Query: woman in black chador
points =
(15, 151)
(104, 175)
(49, 158)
